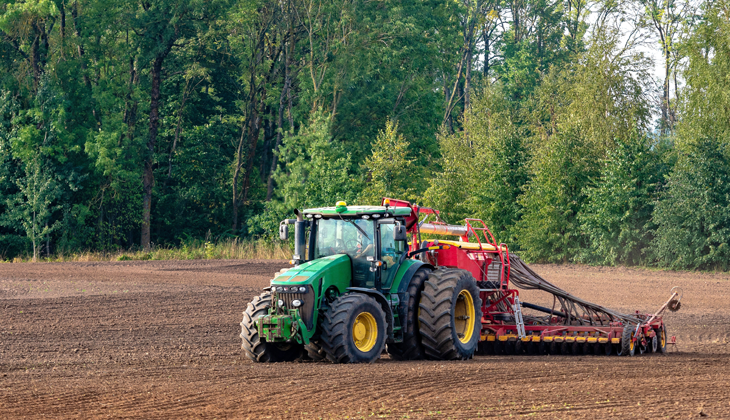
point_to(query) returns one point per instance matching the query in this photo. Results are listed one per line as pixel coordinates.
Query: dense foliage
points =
(133, 124)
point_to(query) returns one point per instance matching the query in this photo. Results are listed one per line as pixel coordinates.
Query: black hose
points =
(543, 309)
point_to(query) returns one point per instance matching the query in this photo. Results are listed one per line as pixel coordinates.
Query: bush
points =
(617, 214)
(693, 217)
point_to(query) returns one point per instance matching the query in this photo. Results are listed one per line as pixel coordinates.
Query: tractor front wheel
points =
(257, 349)
(354, 329)
(450, 317)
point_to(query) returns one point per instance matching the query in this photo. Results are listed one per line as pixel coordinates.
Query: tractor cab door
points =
(389, 252)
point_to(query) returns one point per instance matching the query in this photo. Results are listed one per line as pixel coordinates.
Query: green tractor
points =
(355, 288)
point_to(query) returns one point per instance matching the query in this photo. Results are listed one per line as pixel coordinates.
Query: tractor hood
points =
(333, 267)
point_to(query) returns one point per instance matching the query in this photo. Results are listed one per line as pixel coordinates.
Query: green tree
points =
(693, 215)
(390, 169)
(619, 204)
(316, 172)
(579, 114)
(484, 166)
(33, 206)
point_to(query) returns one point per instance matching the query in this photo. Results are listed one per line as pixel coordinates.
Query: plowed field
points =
(160, 339)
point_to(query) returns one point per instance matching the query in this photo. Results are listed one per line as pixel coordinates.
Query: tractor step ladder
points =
(517, 307)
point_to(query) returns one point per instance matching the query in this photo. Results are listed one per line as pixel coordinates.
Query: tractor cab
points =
(374, 237)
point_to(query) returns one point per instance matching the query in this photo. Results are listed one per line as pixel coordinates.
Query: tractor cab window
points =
(390, 251)
(342, 236)
(354, 237)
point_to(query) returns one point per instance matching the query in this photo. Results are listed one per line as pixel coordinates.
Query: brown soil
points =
(160, 339)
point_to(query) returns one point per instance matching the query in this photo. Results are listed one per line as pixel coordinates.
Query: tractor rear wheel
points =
(354, 329)
(450, 315)
(411, 348)
(257, 349)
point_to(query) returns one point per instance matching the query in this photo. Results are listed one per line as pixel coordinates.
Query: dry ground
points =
(160, 339)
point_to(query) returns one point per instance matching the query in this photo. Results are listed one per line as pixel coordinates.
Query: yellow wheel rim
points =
(631, 343)
(365, 331)
(663, 338)
(464, 315)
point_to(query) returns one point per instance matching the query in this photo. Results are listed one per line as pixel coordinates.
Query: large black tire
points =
(662, 333)
(446, 335)
(257, 349)
(411, 348)
(338, 338)
(628, 344)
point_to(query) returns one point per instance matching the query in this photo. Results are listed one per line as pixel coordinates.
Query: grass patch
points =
(189, 250)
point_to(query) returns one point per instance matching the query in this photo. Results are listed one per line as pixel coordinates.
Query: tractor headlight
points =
(293, 289)
(302, 289)
(279, 289)
(280, 303)
(296, 303)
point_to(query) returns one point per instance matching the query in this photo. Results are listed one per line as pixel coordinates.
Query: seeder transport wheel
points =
(450, 315)
(511, 347)
(485, 347)
(628, 344)
(354, 329)
(411, 348)
(662, 333)
(257, 349)
(653, 344)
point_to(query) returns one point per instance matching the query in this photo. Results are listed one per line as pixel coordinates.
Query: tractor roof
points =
(358, 211)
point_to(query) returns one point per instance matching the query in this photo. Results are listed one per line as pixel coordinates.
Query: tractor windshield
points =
(354, 237)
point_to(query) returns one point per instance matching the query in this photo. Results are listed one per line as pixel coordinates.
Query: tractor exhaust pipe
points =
(299, 237)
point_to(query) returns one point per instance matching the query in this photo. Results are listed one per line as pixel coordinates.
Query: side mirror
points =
(399, 233)
(283, 231)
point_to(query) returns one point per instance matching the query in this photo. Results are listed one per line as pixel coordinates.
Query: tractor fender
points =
(380, 298)
(405, 281)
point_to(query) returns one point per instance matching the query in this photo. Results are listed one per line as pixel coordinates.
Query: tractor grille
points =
(306, 311)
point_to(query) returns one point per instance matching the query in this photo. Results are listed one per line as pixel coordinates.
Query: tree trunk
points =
(279, 133)
(148, 179)
(254, 127)
(130, 111)
(236, 174)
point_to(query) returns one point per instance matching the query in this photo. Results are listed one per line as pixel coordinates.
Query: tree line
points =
(134, 124)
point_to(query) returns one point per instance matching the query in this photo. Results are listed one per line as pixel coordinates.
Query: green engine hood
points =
(333, 270)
